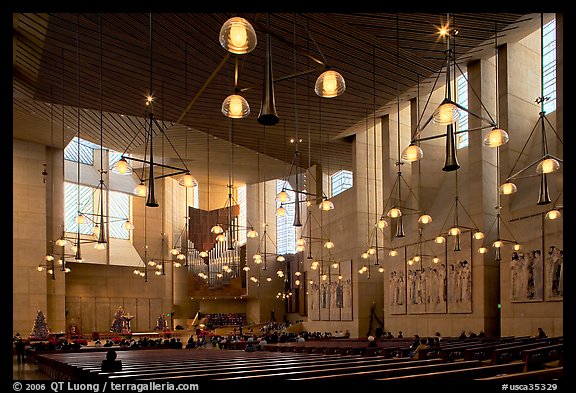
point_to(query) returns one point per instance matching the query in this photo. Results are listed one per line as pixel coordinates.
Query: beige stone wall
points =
(94, 293)
(29, 235)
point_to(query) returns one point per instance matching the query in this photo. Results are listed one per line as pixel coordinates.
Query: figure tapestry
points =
(526, 276)
(397, 292)
(554, 273)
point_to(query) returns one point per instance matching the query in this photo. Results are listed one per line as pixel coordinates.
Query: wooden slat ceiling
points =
(103, 64)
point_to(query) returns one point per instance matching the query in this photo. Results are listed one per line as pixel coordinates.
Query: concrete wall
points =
(29, 236)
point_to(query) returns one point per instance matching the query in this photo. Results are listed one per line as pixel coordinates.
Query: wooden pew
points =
(546, 374)
(463, 374)
(343, 370)
(536, 358)
(512, 352)
(408, 368)
(251, 366)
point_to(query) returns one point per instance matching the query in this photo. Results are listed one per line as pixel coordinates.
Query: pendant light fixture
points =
(102, 234)
(547, 164)
(268, 115)
(448, 112)
(238, 36)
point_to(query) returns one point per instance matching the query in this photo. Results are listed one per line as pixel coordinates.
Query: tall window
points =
(340, 181)
(119, 211)
(242, 215)
(462, 99)
(285, 231)
(549, 65)
(86, 151)
(71, 207)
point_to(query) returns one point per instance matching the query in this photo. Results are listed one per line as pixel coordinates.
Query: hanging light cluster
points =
(237, 36)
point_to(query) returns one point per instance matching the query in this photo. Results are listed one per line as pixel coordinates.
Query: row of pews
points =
(322, 361)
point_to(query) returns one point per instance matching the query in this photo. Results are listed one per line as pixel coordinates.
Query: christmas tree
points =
(119, 322)
(40, 330)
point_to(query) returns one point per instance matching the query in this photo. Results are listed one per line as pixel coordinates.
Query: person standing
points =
(20, 350)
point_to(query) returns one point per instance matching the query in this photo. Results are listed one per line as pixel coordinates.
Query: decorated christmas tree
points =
(119, 322)
(40, 330)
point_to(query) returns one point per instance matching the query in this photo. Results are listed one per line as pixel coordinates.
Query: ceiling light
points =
(235, 107)
(496, 137)
(238, 36)
(188, 181)
(330, 84)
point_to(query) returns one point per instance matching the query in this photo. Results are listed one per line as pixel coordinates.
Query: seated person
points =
(541, 333)
(417, 354)
(110, 363)
(372, 342)
(250, 347)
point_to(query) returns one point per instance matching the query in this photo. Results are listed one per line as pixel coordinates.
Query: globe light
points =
(330, 84)
(553, 214)
(181, 256)
(80, 219)
(280, 258)
(425, 219)
(326, 205)
(188, 181)
(297, 274)
(128, 225)
(235, 107)
(61, 242)
(446, 114)
(364, 255)
(216, 229)
(300, 248)
(393, 253)
(516, 247)
(508, 188)
(482, 250)
(281, 212)
(174, 251)
(548, 165)
(221, 238)
(141, 190)
(121, 167)
(177, 264)
(371, 251)
(478, 235)
(301, 241)
(382, 223)
(238, 36)
(412, 153)
(283, 196)
(435, 259)
(394, 213)
(40, 268)
(454, 231)
(151, 263)
(498, 243)
(335, 265)
(381, 269)
(440, 239)
(252, 233)
(329, 244)
(496, 137)
(417, 258)
(203, 254)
